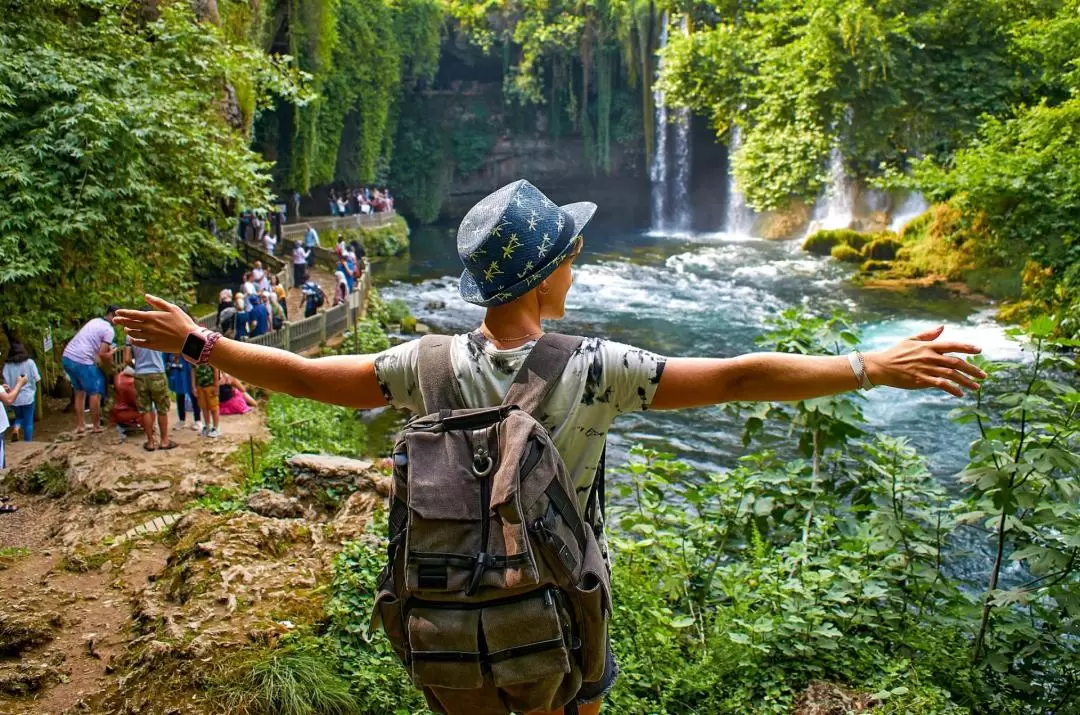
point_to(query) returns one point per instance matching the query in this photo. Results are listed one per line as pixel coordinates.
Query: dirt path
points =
(295, 298)
(62, 587)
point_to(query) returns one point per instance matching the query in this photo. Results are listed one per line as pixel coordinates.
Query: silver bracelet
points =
(858, 366)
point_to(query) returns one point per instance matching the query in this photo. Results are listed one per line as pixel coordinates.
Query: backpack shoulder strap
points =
(438, 384)
(541, 370)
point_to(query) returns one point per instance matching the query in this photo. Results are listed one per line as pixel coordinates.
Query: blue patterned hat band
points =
(513, 239)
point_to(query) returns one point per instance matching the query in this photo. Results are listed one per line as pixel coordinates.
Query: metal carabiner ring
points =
(486, 469)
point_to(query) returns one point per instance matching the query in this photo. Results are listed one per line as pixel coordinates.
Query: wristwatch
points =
(198, 345)
(858, 366)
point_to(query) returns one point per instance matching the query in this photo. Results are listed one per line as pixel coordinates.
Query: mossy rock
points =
(847, 254)
(873, 266)
(883, 248)
(822, 242)
(23, 632)
(49, 479)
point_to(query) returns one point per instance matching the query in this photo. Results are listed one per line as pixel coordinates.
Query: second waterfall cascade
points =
(669, 174)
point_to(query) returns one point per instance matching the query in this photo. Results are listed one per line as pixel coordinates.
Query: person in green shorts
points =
(151, 393)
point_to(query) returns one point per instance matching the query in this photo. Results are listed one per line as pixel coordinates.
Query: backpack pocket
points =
(593, 601)
(528, 640)
(444, 645)
(387, 612)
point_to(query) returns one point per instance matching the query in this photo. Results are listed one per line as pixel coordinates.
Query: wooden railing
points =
(336, 223)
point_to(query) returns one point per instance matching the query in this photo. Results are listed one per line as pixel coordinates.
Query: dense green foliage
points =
(972, 103)
(388, 239)
(361, 54)
(116, 157)
(296, 426)
(882, 82)
(827, 554)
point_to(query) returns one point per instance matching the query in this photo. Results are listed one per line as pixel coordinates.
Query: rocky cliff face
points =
(558, 167)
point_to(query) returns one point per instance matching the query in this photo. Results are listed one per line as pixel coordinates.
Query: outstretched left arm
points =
(917, 363)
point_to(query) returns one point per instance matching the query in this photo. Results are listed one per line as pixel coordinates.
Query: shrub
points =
(389, 239)
(297, 679)
(397, 310)
(49, 479)
(845, 253)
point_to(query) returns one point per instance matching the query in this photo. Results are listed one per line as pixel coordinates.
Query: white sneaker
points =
(205, 431)
(197, 426)
(180, 425)
(214, 432)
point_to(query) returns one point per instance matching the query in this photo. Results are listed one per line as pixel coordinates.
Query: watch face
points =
(193, 346)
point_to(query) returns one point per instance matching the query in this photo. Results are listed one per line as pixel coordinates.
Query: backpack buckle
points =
(482, 463)
(484, 561)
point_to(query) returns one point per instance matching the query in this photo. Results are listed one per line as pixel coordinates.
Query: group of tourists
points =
(349, 270)
(260, 305)
(360, 202)
(143, 386)
(262, 226)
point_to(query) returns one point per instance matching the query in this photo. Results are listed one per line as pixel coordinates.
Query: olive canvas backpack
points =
(496, 597)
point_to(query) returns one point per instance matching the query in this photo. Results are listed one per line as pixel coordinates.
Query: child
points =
(205, 380)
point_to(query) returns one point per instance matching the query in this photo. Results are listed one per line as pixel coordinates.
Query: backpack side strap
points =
(438, 383)
(541, 370)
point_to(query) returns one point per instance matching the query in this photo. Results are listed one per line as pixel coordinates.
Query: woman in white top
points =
(20, 364)
(518, 249)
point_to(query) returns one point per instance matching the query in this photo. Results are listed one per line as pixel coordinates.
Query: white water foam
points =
(836, 208)
(911, 207)
(738, 217)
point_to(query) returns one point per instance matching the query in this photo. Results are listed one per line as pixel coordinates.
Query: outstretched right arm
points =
(347, 380)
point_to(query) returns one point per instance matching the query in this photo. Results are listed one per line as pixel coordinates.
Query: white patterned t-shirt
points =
(602, 380)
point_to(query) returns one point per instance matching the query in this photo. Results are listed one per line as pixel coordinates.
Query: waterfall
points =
(836, 208)
(914, 205)
(738, 217)
(658, 172)
(671, 211)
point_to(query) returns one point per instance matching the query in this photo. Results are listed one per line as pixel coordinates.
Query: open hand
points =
(921, 362)
(165, 328)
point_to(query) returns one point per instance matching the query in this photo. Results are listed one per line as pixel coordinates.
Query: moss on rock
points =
(822, 242)
(883, 247)
(845, 253)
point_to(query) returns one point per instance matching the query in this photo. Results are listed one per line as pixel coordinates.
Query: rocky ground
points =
(118, 594)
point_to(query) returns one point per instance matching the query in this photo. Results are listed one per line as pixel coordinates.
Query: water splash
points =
(836, 209)
(911, 207)
(738, 217)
